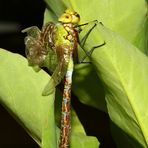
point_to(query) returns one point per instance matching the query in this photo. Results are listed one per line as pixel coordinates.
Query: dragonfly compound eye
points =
(70, 16)
(65, 18)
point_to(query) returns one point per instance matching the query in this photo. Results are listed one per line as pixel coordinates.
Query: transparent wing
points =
(56, 78)
(34, 51)
(58, 73)
(33, 31)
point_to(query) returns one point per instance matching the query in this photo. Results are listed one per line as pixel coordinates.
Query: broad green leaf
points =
(123, 69)
(88, 87)
(49, 16)
(55, 6)
(21, 94)
(79, 138)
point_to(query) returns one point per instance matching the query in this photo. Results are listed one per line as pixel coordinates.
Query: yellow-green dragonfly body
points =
(54, 47)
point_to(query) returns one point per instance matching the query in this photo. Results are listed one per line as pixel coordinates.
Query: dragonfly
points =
(55, 47)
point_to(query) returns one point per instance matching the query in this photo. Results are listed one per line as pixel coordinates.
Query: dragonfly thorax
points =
(72, 34)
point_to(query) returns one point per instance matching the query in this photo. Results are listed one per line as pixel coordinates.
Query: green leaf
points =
(55, 6)
(21, 94)
(123, 70)
(79, 138)
(88, 87)
(49, 16)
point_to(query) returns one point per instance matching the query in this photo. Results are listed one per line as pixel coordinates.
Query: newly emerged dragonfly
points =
(54, 47)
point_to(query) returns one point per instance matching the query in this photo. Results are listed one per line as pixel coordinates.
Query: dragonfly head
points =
(69, 16)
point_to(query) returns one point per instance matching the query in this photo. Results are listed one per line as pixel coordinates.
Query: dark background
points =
(16, 15)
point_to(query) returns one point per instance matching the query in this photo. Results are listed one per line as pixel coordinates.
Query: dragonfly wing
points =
(63, 59)
(33, 31)
(35, 52)
(55, 79)
(51, 61)
(59, 72)
(49, 88)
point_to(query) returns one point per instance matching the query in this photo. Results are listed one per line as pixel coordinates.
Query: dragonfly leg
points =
(89, 53)
(83, 41)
